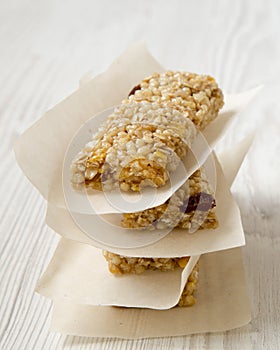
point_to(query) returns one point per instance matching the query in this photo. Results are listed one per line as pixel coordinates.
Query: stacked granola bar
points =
(143, 140)
(136, 147)
(149, 133)
(191, 207)
(118, 265)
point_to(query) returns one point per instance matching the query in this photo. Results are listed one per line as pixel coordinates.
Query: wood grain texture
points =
(46, 46)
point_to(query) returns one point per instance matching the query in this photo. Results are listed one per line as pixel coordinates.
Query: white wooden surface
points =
(45, 47)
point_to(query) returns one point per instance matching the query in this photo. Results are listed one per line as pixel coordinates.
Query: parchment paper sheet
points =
(79, 273)
(41, 149)
(222, 299)
(222, 304)
(178, 242)
(92, 201)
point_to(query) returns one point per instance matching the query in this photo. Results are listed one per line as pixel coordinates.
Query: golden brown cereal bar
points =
(191, 207)
(196, 96)
(136, 147)
(118, 265)
(187, 297)
(149, 133)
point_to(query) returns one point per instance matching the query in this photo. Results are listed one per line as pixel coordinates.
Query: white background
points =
(45, 47)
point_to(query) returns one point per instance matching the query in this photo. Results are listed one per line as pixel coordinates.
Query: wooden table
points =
(46, 46)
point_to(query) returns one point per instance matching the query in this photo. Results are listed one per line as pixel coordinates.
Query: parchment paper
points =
(230, 158)
(97, 202)
(222, 304)
(79, 273)
(41, 149)
(222, 299)
(178, 242)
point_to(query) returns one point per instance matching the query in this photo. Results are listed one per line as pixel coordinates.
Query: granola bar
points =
(118, 265)
(149, 133)
(191, 207)
(198, 97)
(136, 147)
(187, 297)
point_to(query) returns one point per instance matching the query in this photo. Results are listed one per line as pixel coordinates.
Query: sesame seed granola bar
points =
(149, 133)
(191, 207)
(118, 265)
